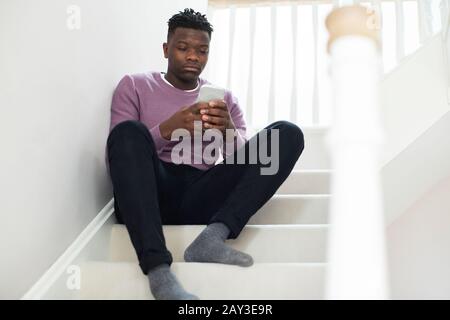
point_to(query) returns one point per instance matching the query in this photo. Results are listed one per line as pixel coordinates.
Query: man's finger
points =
(216, 112)
(195, 108)
(208, 125)
(218, 104)
(214, 120)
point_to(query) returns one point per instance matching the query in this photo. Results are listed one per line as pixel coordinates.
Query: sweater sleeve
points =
(237, 116)
(125, 106)
(125, 103)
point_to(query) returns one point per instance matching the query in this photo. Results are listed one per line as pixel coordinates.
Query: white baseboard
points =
(41, 287)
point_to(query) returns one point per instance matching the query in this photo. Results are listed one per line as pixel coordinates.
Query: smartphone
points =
(209, 92)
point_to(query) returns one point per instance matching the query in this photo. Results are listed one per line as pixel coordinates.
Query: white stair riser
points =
(263, 243)
(283, 209)
(316, 154)
(306, 182)
(262, 281)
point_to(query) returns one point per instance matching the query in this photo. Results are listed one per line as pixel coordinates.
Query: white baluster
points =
(376, 6)
(400, 30)
(273, 22)
(231, 43)
(425, 20)
(445, 18)
(315, 98)
(210, 72)
(251, 64)
(293, 116)
(336, 4)
(356, 243)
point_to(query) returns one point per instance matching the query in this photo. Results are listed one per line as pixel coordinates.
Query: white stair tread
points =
(270, 243)
(121, 280)
(306, 182)
(293, 209)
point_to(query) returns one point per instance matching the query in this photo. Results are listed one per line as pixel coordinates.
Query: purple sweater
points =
(148, 98)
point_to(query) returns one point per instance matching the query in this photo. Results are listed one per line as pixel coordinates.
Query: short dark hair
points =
(189, 19)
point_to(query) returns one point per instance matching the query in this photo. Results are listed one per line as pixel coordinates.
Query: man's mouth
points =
(191, 69)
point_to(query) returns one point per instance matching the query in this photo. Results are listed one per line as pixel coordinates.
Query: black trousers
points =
(149, 192)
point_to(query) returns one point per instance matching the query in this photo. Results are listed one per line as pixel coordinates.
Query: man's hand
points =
(214, 115)
(183, 118)
(217, 116)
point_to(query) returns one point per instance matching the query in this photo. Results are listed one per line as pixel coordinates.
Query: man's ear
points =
(166, 50)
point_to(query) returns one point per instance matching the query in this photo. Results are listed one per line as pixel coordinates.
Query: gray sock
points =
(165, 286)
(210, 246)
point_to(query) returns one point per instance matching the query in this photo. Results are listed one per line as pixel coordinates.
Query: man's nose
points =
(192, 56)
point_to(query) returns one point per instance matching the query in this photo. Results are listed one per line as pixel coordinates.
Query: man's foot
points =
(210, 246)
(165, 286)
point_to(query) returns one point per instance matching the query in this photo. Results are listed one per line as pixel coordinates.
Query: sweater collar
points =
(168, 83)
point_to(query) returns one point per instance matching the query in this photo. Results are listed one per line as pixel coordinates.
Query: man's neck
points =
(179, 84)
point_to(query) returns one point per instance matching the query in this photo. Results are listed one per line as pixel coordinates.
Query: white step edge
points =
(270, 243)
(262, 281)
(306, 182)
(293, 209)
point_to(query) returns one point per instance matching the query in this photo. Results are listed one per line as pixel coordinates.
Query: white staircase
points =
(287, 239)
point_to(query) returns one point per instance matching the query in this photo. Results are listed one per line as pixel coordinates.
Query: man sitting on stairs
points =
(151, 190)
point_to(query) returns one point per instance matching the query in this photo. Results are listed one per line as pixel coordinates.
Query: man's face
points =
(187, 51)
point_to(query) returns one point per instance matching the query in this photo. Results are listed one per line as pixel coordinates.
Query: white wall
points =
(55, 91)
(413, 97)
(415, 116)
(425, 162)
(419, 247)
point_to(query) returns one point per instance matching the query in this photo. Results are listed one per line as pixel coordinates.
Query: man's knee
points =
(129, 126)
(129, 131)
(290, 134)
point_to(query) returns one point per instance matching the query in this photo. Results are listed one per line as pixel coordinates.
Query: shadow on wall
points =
(419, 247)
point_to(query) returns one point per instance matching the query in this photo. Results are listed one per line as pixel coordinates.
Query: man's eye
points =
(182, 49)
